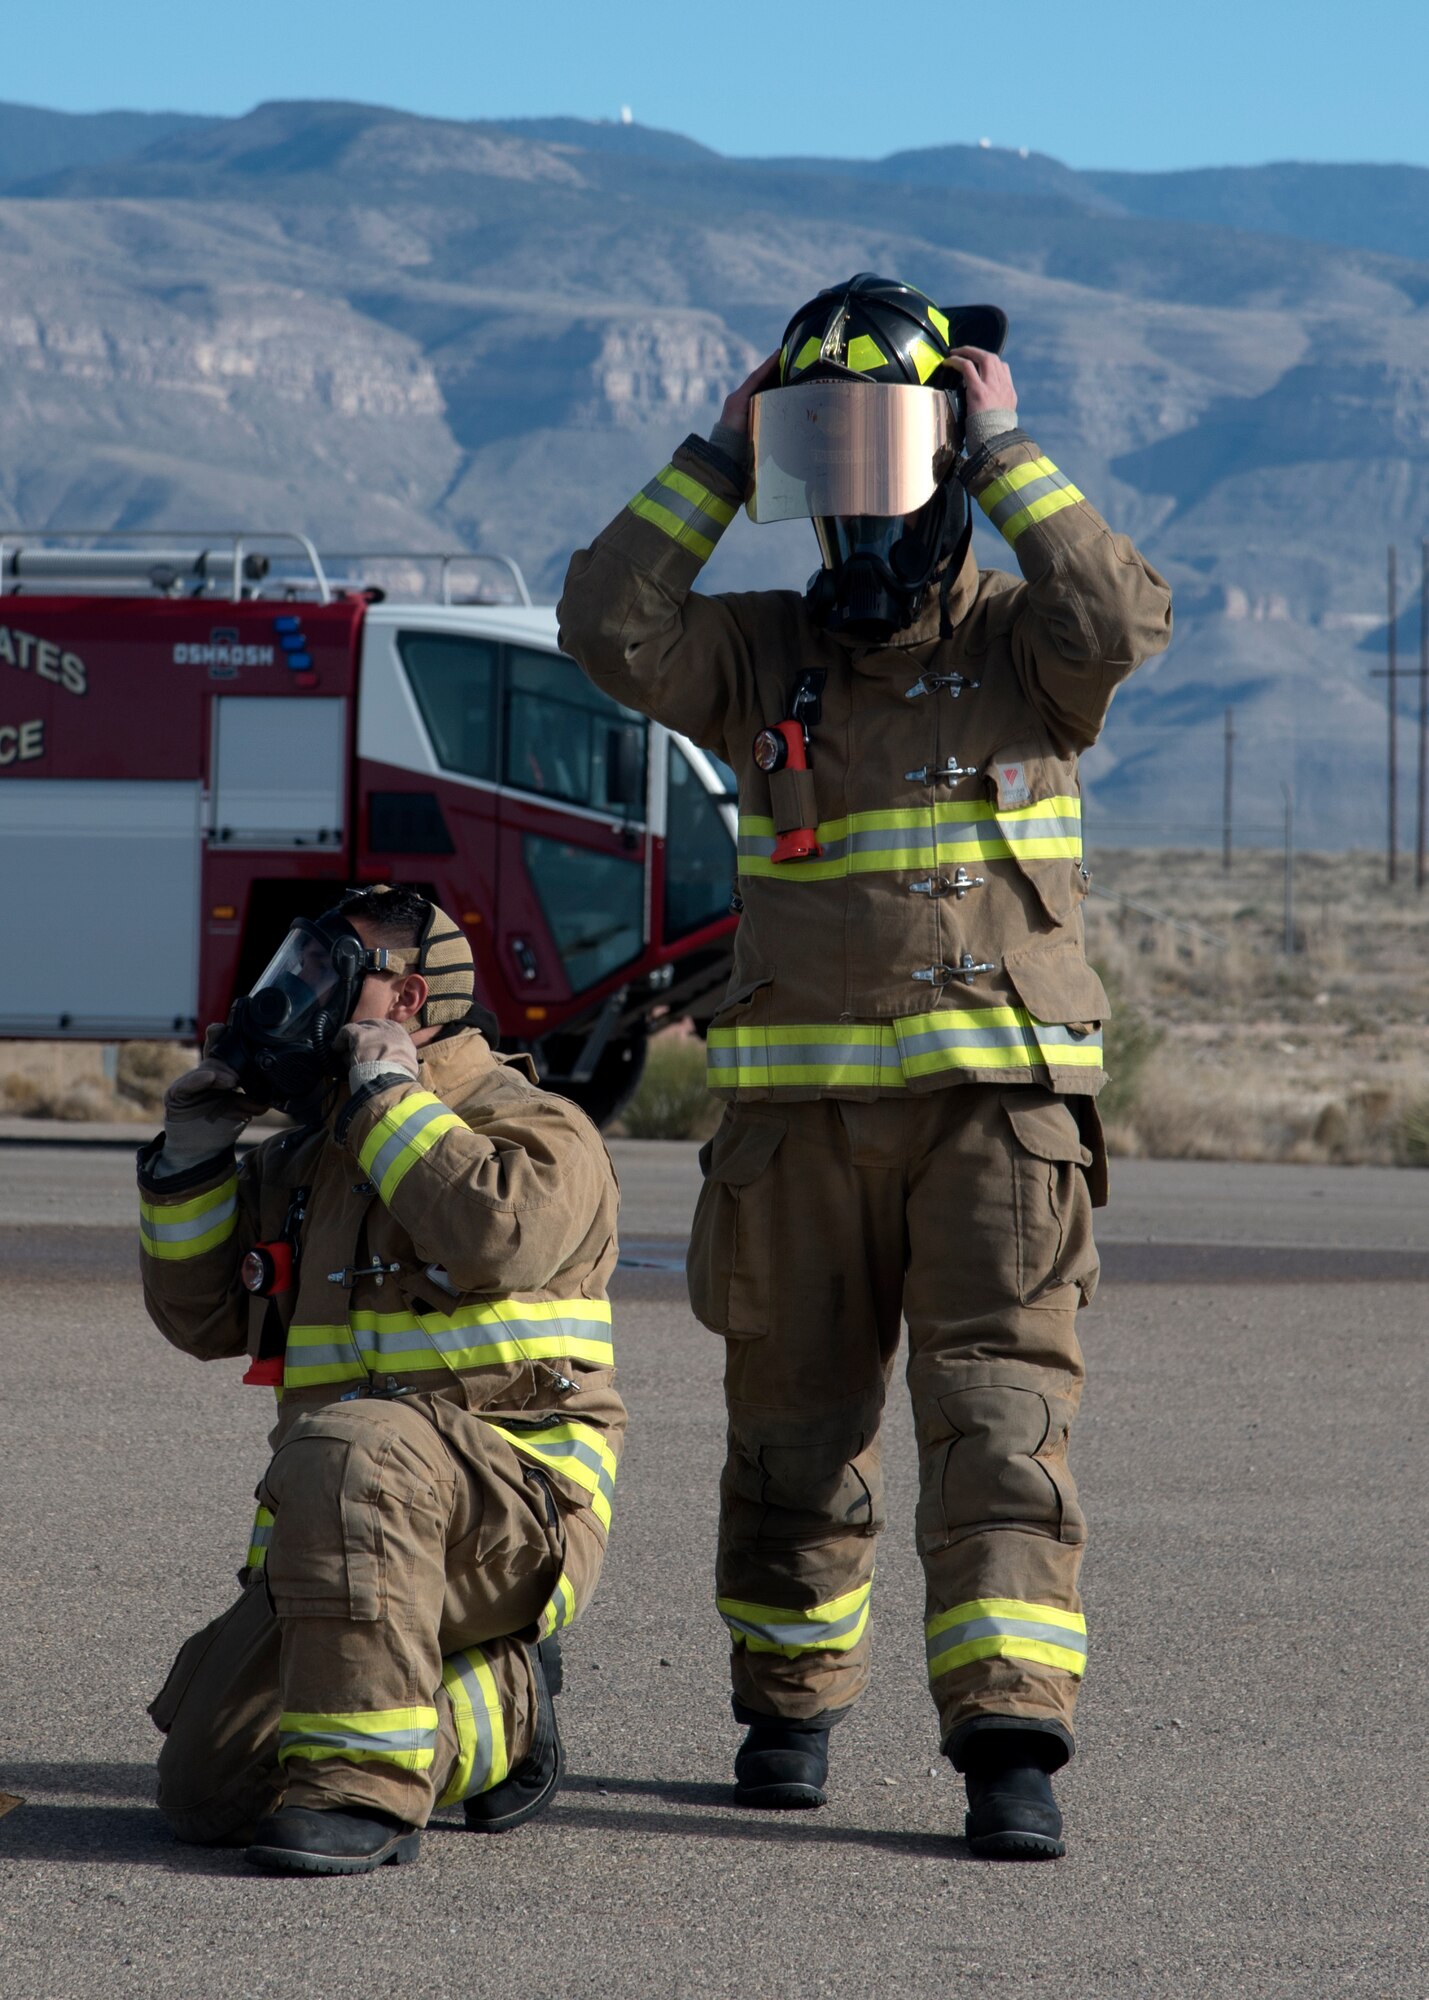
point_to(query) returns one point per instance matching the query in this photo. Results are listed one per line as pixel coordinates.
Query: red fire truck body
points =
(181, 775)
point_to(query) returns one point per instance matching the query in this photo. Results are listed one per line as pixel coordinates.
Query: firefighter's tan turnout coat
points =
(935, 939)
(446, 1445)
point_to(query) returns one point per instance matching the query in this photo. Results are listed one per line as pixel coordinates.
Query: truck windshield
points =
(699, 850)
(454, 680)
(567, 740)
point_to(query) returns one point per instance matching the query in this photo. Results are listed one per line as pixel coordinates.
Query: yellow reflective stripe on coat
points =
(259, 1539)
(572, 1451)
(1006, 1628)
(560, 1609)
(489, 1335)
(834, 1627)
(899, 837)
(405, 1737)
(480, 1729)
(1027, 493)
(835, 1055)
(176, 1230)
(684, 510)
(401, 1136)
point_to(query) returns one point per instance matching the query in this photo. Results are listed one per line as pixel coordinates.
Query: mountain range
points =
(395, 331)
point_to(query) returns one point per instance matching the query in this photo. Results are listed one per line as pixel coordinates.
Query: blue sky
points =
(1099, 83)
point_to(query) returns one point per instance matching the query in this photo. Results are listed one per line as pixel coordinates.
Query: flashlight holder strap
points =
(791, 796)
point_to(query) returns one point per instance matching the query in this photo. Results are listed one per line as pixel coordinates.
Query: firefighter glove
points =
(203, 1115)
(377, 1052)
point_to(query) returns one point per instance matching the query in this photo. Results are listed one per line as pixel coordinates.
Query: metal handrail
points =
(14, 541)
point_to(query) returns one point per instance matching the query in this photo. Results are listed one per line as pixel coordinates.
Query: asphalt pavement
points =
(1245, 1816)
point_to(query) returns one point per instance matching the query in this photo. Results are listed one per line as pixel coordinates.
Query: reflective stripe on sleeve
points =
(259, 1539)
(1006, 1628)
(405, 1737)
(489, 1335)
(175, 1231)
(1030, 492)
(480, 1730)
(572, 1451)
(401, 1137)
(834, 1627)
(684, 510)
(950, 831)
(560, 1608)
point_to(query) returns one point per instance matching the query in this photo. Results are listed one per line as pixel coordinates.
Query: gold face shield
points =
(848, 448)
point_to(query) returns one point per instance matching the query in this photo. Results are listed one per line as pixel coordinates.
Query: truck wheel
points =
(616, 1079)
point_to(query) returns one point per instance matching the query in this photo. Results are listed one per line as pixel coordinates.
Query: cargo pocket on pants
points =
(180, 1677)
(1052, 1201)
(731, 1255)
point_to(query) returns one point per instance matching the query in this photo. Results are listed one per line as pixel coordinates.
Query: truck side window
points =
(454, 680)
(567, 740)
(699, 851)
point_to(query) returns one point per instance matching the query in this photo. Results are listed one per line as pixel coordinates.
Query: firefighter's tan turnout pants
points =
(968, 1211)
(370, 1662)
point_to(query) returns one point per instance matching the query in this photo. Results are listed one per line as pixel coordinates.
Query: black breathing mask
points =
(279, 1036)
(877, 568)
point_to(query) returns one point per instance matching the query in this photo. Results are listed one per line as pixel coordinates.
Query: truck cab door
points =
(572, 904)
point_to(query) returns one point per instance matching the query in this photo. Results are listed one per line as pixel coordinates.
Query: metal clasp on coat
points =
(376, 1271)
(966, 970)
(934, 774)
(948, 885)
(930, 683)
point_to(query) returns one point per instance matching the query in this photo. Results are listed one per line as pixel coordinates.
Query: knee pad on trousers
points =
(798, 1492)
(999, 1460)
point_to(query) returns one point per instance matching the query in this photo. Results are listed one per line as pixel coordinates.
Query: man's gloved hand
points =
(376, 1052)
(203, 1116)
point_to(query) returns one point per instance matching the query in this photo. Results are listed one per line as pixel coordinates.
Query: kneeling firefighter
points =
(905, 735)
(419, 1268)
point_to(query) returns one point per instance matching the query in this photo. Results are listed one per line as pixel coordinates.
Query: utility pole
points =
(1423, 808)
(1393, 679)
(1226, 793)
(1289, 871)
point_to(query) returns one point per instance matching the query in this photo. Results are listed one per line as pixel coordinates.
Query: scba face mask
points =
(279, 1036)
(877, 568)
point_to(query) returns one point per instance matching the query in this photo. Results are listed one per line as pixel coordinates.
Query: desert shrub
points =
(1411, 1135)
(1130, 1039)
(146, 1069)
(672, 1102)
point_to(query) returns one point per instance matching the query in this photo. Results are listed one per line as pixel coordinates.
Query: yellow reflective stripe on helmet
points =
(809, 353)
(404, 1737)
(488, 1335)
(175, 1231)
(1007, 1628)
(832, 1627)
(560, 1608)
(684, 510)
(940, 320)
(1029, 492)
(903, 837)
(864, 354)
(926, 359)
(401, 1137)
(481, 1760)
(259, 1539)
(571, 1451)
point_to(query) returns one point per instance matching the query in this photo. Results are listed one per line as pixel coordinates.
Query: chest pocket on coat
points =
(1037, 808)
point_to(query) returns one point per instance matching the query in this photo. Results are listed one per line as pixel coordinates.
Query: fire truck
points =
(203, 736)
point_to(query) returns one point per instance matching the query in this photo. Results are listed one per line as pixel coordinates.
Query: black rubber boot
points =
(307, 1840)
(782, 1766)
(537, 1778)
(1012, 1815)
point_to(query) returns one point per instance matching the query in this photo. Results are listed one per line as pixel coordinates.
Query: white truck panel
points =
(99, 900)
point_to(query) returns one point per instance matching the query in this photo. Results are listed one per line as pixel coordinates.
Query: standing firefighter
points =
(420, 1266)
(906, 738)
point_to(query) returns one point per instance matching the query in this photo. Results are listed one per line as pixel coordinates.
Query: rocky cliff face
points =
(390, 330)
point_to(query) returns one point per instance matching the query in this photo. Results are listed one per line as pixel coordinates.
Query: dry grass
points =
(86, 1081)
(1318, 1056)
